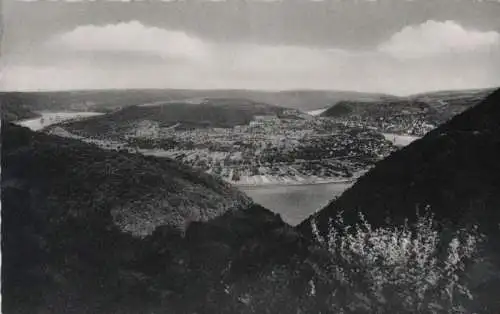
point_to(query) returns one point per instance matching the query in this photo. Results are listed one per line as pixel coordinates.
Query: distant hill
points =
(451, 103)
(307, 100)
(109, 100)
(207, 112)
(454, 169)
(342, 108)
(105, 100)
(436, 105)
(387, 107)
(402, 116)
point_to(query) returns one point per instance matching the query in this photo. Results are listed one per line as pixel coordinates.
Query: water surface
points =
(295, 202)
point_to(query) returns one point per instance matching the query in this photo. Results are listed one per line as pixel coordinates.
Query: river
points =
(295, 202)
(400, 140)
(47, 118)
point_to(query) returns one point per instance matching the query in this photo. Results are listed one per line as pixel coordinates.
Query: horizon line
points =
(27, 91)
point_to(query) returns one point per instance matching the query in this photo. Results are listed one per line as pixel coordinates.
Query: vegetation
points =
(414, 268)
(110, 100)
(400, 269)
(453, 169)
(223, 113)
(13, 112)
(84, 177)
(415, 115)
(338, 109)
(92, 231)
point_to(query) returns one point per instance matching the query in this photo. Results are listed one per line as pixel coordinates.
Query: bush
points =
(400, 269)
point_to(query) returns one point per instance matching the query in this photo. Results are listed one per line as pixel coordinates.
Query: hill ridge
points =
(454, 169)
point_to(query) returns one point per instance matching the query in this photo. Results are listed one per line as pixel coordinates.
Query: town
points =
(290, 149)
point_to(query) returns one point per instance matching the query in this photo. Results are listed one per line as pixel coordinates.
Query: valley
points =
(250, 157)
(288, 160)
(248, 142)
(119, 229)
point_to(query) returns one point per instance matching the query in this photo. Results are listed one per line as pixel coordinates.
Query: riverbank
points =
(48, 118)
(247, 182)
(400, 140)
(305, 182)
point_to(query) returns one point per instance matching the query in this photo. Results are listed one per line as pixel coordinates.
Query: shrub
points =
(399, 269)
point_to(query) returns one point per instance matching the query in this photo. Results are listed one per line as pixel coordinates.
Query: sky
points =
(391, 46)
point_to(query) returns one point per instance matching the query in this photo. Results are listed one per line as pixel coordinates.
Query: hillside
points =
(109, 100)
(402, 116)
(415, 115)
(374, 107)
(160, 192)
(60, 200)
(450, 103)
(454, 170)
(99, 100)
(14, 112)
(241, 141)
(184, 115)
(77, 231)
(305, 100)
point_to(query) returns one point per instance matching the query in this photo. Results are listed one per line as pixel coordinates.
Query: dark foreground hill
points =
(140, 192)
(73, 224)
(65, 251)
(454, 169)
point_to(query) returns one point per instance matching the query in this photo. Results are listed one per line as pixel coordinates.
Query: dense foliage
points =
(64, 207)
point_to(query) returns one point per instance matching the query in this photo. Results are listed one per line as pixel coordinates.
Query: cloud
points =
(435, 38)
(133, 55)
(131, 37)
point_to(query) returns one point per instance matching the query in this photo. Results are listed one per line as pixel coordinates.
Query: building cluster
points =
(268, 146)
